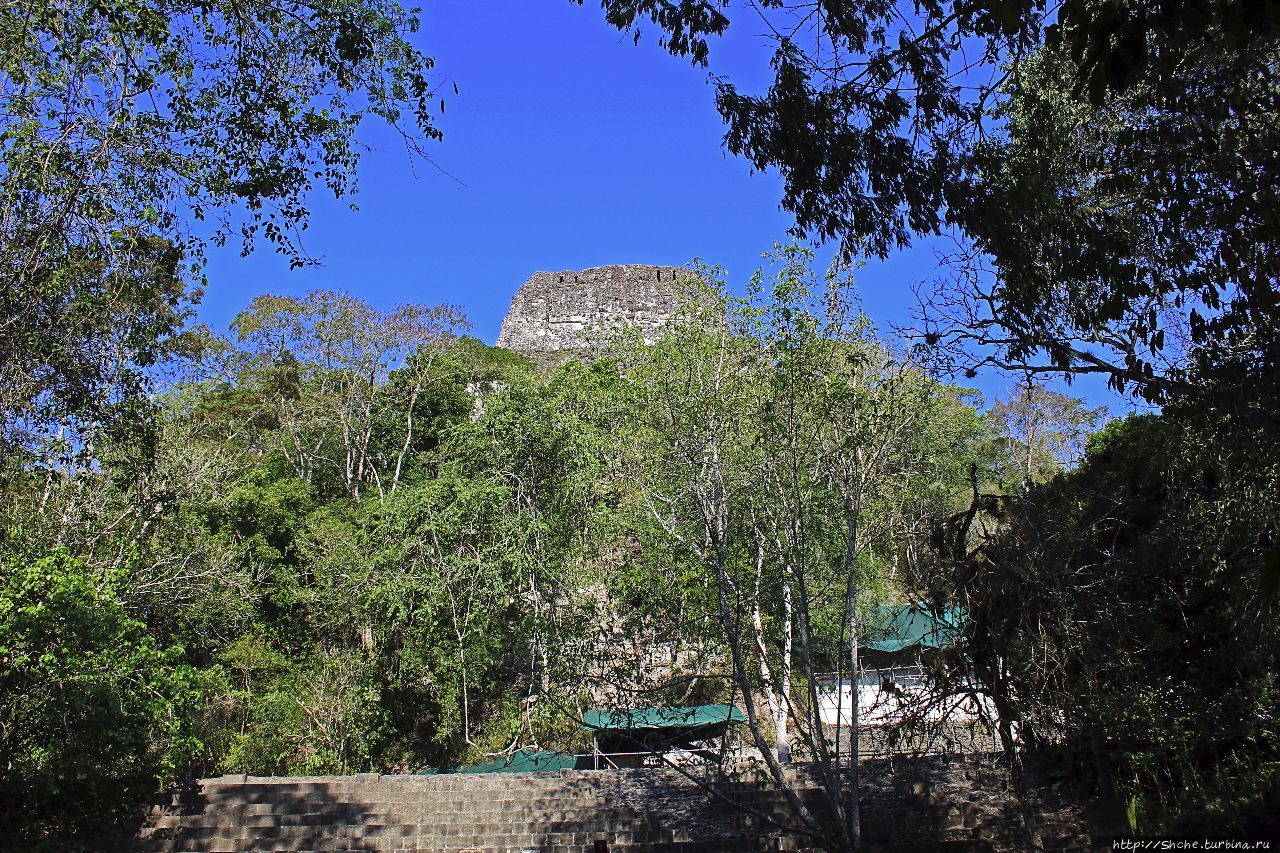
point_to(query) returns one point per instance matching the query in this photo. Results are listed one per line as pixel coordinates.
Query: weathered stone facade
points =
(572, 310)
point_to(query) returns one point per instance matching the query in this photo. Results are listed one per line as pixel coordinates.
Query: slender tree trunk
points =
(784, 706)
(408, 438)
(854, 816)
(715, 516)
(462, 673)
(776, 699)
(825, 764)
(762, 652)
(730, 628)
(348, 465)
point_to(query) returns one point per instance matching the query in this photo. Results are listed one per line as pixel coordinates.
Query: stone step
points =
(269, 791)
(256, 792)
(721, 845)
(411, 838)
(236, 817)
(379, 829)
(630, 811)
(308, 806)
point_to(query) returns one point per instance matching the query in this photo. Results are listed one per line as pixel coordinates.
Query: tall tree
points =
(92, 710)
(1105, 165)
(1044, 431)
(1130, 234)
(331, 357)
(773, 446)
(131, 134)
(1116, 609)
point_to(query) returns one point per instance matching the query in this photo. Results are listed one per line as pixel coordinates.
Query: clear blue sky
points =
(568, 147)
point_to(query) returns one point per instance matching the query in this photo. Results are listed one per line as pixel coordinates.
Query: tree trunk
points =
(715, 516)
(854, 816)
(408, 438)
(784, 706)
(775, 699)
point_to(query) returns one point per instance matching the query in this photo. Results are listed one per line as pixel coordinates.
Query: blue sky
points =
(568, 147)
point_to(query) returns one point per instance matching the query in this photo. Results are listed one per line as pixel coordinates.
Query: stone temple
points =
(558, 311)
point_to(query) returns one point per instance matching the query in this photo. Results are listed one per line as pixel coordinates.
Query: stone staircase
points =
(588, 811)
(947, 808)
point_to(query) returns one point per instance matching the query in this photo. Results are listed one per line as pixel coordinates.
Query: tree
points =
(1128, 236)
(329, 358)
(80, 337)
(542, 444)
(1105, 166)
(774, 447)
(134, 133)
(1119, 608)
(1044, 431)
(93, 713)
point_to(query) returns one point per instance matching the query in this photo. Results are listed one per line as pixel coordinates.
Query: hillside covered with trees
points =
(362, 541)
(334, 538)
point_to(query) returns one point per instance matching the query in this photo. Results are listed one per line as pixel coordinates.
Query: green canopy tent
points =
(635, 737)
(895, 634)
(623, 737)
(520, 761)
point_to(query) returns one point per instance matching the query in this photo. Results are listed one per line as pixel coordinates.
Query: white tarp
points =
(886, 696)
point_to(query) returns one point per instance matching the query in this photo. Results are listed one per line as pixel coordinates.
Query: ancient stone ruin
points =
(937, 805)
(573, 310)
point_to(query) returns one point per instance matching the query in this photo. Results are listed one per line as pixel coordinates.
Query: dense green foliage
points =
(94, 710)
(345, 539)
(1125, 616)
(131, 134)
(366, 542)
(373, 544)
(1105, 167)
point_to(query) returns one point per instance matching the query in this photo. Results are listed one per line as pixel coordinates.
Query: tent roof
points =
(521, 761)
(627, 719)
(897, 627)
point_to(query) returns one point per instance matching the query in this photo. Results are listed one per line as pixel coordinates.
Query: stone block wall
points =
(558, 311)
(926, 806)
